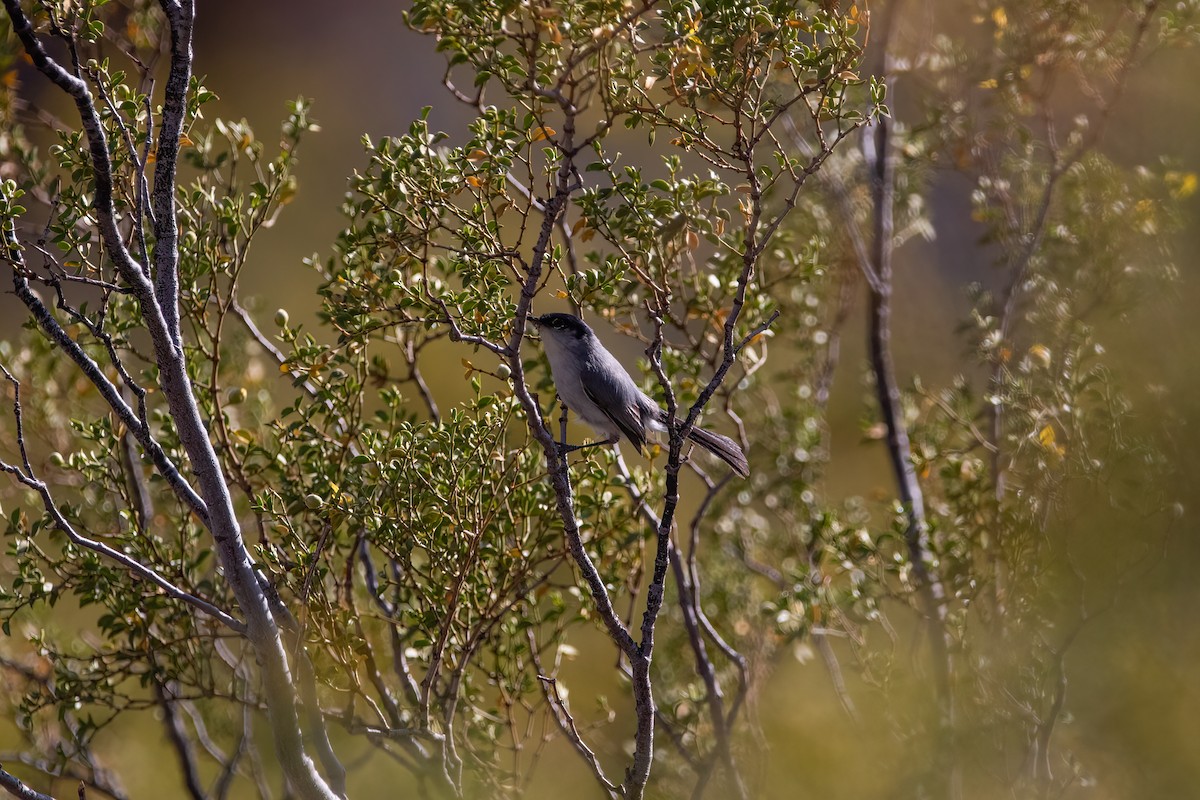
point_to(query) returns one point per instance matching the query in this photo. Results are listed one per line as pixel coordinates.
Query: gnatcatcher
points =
(593, 384)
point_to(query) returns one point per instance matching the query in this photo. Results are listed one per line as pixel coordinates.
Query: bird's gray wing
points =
(619, 401)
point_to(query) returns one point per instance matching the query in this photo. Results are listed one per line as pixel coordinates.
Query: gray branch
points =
(14, 786)
(181, 14)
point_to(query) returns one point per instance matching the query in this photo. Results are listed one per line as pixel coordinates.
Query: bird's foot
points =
(565, 449)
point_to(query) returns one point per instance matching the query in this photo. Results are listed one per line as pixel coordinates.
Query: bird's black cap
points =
(567, 323)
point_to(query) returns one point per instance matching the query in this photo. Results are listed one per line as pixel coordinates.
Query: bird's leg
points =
(563, 447)
(562, 427)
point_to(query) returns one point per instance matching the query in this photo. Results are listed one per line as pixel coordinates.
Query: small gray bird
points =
(593, 384)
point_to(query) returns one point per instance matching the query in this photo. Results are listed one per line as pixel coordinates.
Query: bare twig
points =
(930, 591)
(14, 786)
(566, 723)
(178, 737)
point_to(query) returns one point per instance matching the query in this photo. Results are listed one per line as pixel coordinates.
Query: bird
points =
(592, 383)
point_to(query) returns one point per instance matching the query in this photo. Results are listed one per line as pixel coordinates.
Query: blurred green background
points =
(1135, 685)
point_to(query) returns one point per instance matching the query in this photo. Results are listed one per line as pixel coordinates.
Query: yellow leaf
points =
(477, 155)
(561, 295)
(1000, 17)
(587, 234)
(1188, 187)
(1182, 184)
(579, 223)
(1046, 437)
(541, 132)
(284, 368)
(184, 141)
(1041, 353)
(990, 83)
(471, 179)
(693, 241)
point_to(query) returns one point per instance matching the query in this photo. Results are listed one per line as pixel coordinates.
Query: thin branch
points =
(13, 785)
(177, 734)
(566, 723)
(930, 590)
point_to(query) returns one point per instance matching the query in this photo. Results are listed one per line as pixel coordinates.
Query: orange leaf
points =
(541, 132)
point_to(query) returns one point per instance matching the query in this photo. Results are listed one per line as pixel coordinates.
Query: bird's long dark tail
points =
(723, 448)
